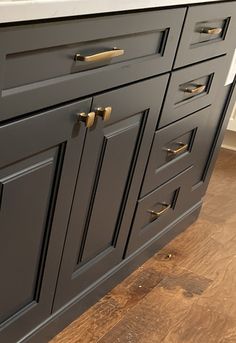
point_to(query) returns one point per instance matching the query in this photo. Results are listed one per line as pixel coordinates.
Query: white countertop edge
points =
(23, 10)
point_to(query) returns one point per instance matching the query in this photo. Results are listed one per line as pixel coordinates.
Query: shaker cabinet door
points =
(39, 158)
(109, 181)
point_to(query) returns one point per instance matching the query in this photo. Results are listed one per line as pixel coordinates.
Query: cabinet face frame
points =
(42, 157)
(142, 102)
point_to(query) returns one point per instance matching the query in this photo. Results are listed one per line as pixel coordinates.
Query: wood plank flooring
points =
(187, 298)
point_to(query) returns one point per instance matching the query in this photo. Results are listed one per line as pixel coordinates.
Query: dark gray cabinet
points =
(114, 156)
(109, 129)
(39, 158)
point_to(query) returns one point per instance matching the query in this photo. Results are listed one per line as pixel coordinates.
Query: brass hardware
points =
(194, 89)
(182, 147)
(160, 213)
(115, 52)
(88, 119)
(104, 112)
(169, 256)
(211, 30)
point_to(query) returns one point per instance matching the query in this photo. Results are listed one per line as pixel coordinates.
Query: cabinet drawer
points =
(177, 147)
(209, 31)
(193, 88)
(159, 209)
(48, 63)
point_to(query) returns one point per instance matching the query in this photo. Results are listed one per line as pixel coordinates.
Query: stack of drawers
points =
(176, 171)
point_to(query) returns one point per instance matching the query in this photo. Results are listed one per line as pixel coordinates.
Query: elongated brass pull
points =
(211, 30)
(194, 89)
(115, 52)
(182, 147)
(87, 118)
(161, 212)
(104, 112)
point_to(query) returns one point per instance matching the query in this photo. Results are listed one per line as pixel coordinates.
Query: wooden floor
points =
(187, 298)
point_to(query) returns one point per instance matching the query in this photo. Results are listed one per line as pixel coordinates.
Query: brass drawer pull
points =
(182, 147)
(194, 89)
(211, 30)
(156, 215)
(115, 52)
(88, 119)
(104, 112)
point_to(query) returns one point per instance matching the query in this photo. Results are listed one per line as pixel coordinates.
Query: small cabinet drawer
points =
(209, 31)
(48, 63)
(177, 147)
(193, 88)
(159, 209)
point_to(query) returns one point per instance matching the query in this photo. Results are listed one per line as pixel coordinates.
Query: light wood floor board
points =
(189, 298)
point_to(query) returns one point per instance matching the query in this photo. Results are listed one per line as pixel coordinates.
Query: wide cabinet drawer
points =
(44, 64)
(159, 209)
(209, 31)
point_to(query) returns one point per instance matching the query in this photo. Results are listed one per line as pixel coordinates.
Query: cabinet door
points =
(39, 158)
(111, 171)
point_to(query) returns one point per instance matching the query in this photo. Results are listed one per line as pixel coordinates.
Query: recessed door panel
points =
(111, 188)
(25, 200)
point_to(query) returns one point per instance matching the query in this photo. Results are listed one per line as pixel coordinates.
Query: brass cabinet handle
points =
(211, 30)
(115, 52)
(194, 89)
(88, 118)
(104, 112)
(160, 213)
(182, 147)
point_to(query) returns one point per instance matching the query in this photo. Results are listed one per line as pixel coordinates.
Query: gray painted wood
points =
(106, 183)
(162, 166)
(195, 46)
(207, 158)
(145, 225)
(89, 181)
(39, 66)
(39, 162)
(178, 103)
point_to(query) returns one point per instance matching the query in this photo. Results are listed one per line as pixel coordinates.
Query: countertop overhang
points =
(26, 10)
